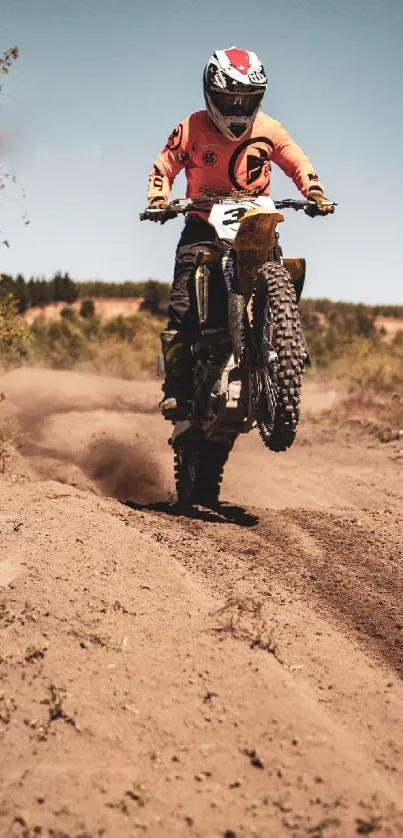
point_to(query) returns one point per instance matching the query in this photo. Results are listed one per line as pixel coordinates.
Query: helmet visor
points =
(236, 104)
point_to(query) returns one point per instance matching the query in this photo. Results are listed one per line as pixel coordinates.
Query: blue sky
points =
(101, 83)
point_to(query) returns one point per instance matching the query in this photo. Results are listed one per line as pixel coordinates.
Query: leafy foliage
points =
(156, 297)
(343, 338)
(125, 347)
(98, 288)
(87, 308)
(9, 56)
(6, 60)
(155, 294)
(15, 334)
(39, 292)
(388, 311)
(373, 373)
(59, 344)
(331, 327)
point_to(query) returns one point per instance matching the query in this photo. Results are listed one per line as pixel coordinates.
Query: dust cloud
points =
(123, 470)
(93, 433)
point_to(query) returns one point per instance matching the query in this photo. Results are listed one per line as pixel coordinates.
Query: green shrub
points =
(15, 335)
(68, 313)
(87, 309)
(330, 328)
(155, 298)
(59, 344)
(123, 347)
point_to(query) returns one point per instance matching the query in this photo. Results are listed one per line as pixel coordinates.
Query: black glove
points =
(157, 210)
(320, 204)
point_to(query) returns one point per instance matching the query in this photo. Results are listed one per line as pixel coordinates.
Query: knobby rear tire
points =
(199, 467)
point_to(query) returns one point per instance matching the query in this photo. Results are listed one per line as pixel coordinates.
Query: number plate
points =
(226, 218)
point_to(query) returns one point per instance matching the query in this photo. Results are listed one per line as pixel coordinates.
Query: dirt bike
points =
(250, 353)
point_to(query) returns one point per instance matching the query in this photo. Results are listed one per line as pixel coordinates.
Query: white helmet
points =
(234, 84)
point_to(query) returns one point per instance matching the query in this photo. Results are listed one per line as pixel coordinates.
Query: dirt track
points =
(234, 674)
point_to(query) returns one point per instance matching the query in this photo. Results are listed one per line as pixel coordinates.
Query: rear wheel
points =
(213, 457)
(186, 463)
(199, 466)
(278, 337)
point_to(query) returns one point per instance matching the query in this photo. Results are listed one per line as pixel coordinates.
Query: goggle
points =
(236, 104)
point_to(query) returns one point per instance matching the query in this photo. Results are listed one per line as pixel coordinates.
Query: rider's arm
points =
(292, 160)
(168, 164)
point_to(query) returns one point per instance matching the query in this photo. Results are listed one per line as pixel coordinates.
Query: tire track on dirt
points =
(352, 568)
(136, 701)
(359, 577)
(296, 589)
(258, 650)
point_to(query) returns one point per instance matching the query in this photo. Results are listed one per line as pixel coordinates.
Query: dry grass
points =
(105, 309)
(10, 439)
(373, 373)
(132, 357)
(125, 347)
(245, 618)
(370, 367)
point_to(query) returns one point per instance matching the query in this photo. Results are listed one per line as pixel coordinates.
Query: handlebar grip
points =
(311, 209)
(161, 215)
(154, 215)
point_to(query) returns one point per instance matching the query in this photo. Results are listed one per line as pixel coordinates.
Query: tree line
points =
(352, 318)
(39, 292)
(98, 288)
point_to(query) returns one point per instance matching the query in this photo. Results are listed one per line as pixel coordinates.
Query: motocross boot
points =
(178, 364)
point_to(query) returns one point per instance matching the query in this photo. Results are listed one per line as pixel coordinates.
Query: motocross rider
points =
(227, 147)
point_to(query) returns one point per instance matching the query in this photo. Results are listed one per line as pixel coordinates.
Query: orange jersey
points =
(213, 162)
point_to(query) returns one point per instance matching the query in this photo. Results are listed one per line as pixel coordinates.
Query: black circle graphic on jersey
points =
(175, 139)
(257, 164)
(209, 158)
(182, 156)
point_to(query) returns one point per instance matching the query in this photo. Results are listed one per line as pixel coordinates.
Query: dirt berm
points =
(227, 675)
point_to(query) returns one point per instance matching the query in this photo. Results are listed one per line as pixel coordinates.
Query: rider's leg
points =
(182, 328)
(177, 387)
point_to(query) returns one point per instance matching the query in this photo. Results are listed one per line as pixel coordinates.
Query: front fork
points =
(236, 301)
(236, 304)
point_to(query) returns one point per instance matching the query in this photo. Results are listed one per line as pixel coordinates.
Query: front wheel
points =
(281, 353)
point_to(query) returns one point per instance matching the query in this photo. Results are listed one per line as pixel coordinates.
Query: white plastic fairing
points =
(226, 218)
(265, 201)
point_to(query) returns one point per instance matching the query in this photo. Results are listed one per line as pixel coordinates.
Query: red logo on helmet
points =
(239, 59)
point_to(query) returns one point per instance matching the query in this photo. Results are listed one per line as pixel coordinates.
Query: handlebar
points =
(180, 206)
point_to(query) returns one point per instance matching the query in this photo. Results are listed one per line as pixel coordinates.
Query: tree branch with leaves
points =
(7, 59)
